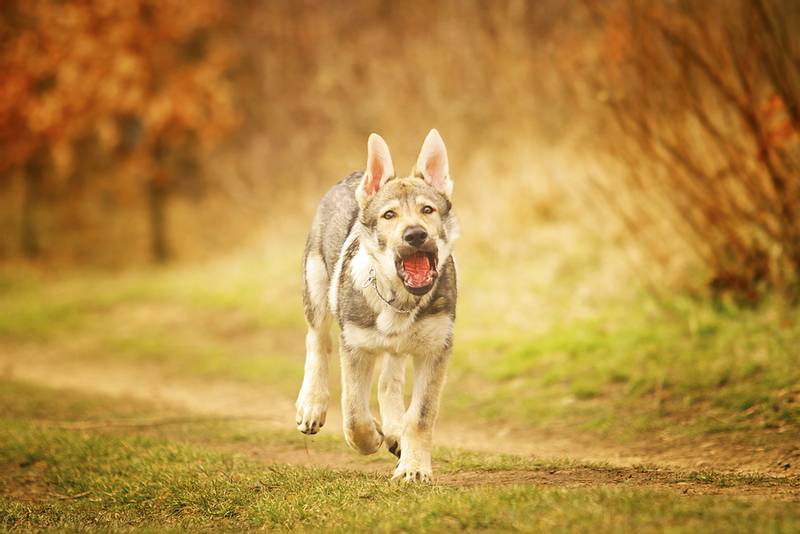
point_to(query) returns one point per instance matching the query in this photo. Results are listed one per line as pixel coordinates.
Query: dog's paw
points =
(366, 438)
(411, 473)
(311, 412)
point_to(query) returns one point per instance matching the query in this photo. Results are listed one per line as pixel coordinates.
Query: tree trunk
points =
(157, 204)
(29, 228)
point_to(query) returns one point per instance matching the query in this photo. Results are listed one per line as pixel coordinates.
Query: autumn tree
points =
(698, 102)
(132, 89)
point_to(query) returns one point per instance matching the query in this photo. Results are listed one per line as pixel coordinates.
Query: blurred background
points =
(626, 174)
(143, 131)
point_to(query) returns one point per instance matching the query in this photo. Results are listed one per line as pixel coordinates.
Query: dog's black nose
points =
(415, 236)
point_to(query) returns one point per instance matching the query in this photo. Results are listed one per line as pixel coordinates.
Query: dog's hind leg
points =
(312, 402)
(361, 431)
(390, 399)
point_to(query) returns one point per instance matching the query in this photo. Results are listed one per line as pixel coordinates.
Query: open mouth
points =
(417, 271)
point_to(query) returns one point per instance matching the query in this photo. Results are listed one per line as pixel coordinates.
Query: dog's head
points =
(408, 228)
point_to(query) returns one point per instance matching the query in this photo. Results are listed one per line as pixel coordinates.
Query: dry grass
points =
(701, 120)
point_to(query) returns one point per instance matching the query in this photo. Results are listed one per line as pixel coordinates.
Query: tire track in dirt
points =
(576, 476)
(230, 400)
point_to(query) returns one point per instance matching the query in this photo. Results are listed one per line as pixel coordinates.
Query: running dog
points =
(379, 259)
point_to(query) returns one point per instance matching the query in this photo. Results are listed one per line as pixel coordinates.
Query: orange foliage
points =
(780, 131)
(77, 68)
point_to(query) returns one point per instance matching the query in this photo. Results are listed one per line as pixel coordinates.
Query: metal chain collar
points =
(372, 281)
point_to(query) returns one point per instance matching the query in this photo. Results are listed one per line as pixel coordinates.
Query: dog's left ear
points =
(432, 164)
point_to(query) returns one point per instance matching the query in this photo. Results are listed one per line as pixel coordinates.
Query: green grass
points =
(634, 368)
(124, 479)
(709, 368)
(217, 321)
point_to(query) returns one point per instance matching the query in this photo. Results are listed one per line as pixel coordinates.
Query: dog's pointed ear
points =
(432, 164)
(379, 169)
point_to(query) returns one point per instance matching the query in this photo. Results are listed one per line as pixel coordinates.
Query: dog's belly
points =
(431, 334)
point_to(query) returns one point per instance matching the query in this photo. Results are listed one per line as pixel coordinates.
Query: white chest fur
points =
(400, 334)
(394, 331)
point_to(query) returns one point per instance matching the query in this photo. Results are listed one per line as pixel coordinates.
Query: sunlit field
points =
(627, 342)
(165, 395)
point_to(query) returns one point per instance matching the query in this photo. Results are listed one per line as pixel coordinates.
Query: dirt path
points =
(622, 466)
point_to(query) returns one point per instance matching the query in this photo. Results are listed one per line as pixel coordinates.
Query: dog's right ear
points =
(379, 169)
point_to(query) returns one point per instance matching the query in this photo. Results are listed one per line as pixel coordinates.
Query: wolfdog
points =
(379, 259)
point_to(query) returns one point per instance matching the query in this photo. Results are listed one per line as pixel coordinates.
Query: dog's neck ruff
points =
(372, 281)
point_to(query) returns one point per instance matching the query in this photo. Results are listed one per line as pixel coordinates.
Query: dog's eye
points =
(427, 210)
(389, 215)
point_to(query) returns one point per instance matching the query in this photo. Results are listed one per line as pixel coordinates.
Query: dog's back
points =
(333, 221)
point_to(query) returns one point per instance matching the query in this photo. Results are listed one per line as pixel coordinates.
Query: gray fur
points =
(333, 222)
(355, 268)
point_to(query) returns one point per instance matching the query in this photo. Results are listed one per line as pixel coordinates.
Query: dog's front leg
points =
(312, 402)
(361, 431)
(417, 440)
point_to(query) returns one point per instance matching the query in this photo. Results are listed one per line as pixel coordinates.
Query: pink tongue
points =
(417, 268)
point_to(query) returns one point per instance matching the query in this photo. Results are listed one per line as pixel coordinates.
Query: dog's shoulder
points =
(352, 306)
